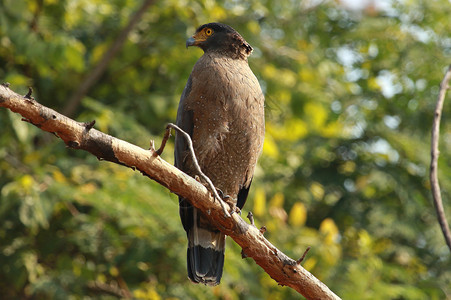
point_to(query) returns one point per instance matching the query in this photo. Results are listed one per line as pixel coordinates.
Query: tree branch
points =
(280, 267)
(435, 187)
(100, 68)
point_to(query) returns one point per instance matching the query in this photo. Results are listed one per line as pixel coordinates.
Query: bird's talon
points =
(230, 201)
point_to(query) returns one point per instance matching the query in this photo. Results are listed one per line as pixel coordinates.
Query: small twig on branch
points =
(303, 255)
(89, 125)
(166, 136)
(435, 136)
(250, 216)
(28, 95)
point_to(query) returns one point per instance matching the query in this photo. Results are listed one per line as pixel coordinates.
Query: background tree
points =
(350, 99)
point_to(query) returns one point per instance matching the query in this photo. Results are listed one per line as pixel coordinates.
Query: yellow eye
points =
(208, 31)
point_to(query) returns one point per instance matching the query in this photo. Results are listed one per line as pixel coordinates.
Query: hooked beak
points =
(190, 42)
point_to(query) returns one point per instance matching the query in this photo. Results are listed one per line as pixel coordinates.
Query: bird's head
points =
(220, 38)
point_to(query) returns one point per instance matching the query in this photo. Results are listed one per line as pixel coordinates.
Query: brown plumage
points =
(222, 109)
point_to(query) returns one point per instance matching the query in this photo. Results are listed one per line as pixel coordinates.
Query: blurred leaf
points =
(329, 228)
(298, 215)
(259, 202)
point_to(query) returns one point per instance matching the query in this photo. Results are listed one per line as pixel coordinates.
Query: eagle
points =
(222, 109)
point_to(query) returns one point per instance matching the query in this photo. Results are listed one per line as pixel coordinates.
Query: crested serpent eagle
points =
(222, 109)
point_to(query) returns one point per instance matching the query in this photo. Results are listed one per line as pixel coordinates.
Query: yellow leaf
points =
(58, 176)
(114, 271)
(142, 266)
(18, 80)
(88, 188)
(259, 202)
(298, 214)
(270, 147)
(329, 228)
(295, 129)
(347, 167)
(304, 45)
(98, 52)
(372, 84)
(317, 190)
(269, 71)
(316, 113)
(254, 27)
(292, 130)
(365, 241)
(332, 129)
(148, 292)
(369, 191)
(287, 77)
(32, 157)
(284, 96)
(76, 269)
(276, 207)
(306, 75)
(101, 278)
(277, 200)
(218, 13)
(309, 263)
(26, 182)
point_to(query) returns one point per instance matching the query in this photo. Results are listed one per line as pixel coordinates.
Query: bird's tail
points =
(205, 253)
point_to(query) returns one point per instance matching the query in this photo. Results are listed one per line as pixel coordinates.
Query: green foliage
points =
(350, 96)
